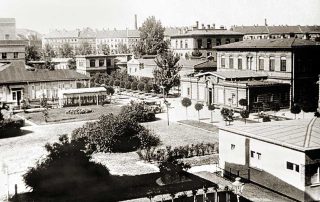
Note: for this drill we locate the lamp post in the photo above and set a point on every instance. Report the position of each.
(167, 105)
(238, 186)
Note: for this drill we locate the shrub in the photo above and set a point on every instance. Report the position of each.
(243, 102)
(266, 119)
(245, 114)
(128, 85)
(122, 84)
(227, 115)
(116, 83)
(147, 88)
(141, 86)
(66, 170)
(115, 134)
(134, 85)
(1, 116)
(25, 105)
(111, 82)
(79, 111)
(10, 127)
(295, 109)
(137, 112)
(317, 114)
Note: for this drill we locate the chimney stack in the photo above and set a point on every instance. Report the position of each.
(135, 22)
(265, 22)
(213, 26)
(202, 26)
(221, 27)
(208, 26)
(197, 24)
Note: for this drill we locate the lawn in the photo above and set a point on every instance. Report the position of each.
(58, 115)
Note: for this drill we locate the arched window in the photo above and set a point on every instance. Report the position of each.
(181, 44)
(261, 63)
(271, 63)
(240, 62)
(231, 62)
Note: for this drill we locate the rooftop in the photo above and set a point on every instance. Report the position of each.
(83, 90)
(207, 32)
(236, 74)
(17, 72)
(300, 135)
(118, 34)
(281, 29)
(269, 44)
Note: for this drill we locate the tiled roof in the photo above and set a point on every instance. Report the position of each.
(296, 134)
(206, 64)
(170, 31)
(63, 34)
(268, 43)
(236, 74)
(16, 72)
(276, 29)
(118, 34)
(205, 32)
(189, 63)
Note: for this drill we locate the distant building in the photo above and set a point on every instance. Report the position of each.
(12, 50)
(113, 38)
(282, 156)
(56, 38)
(91, 64)
(8, 29)
(201, 42)
(31, 37)
(281, 31)
(60, 63)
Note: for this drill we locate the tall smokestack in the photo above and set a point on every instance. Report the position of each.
(136, 21)
(265, 22)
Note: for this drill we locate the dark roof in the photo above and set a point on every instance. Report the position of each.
(269, 44)
(300, 135)
(206, 64)
(16, 72)
(282, 29)
(207, 32)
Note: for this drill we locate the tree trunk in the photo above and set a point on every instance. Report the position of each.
(198, 115)
(186, 113)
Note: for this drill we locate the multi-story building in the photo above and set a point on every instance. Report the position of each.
(56, 38)
(249, 152)
(201, 42)
(7, 29)
(272, 32)
(115, 38)
(266, 71)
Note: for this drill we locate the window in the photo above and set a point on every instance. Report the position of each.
(249, 62)
(236, 40)
(15, 55)
(292, 166)
(223, 62)
(199, 42)
(261, 63)
(108, 62)
(283, 64)
(14, 95)
(7, 36)
(231, 62)
(176, 43)
(209, 43)
(271, 64)
(218, 42)
(227, 41)
(181, 44)
(186, 44)
(188, 91)
(4, 55)
(233, 146)
(239, 63)
(92, 63)
(101, 63)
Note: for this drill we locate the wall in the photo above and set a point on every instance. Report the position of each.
(223, 94)
(7, 27)
(11, 47)
(197, 90)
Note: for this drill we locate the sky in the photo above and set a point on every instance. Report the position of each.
(45, 15)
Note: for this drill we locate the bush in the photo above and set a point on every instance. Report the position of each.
(128, 85)
(111, 82)
(147, 88)
(141, 86)
(116, 83)
(266, 119)
(317, 114)
(66, 170)
(10, 127)
(115, 134)
(243, 102)
(227, 115)
(134, 85)
(122, 84)
(137, 112)
(186, 102)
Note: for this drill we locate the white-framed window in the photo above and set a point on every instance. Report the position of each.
(223, 62)
(239, 62)
(231, 62)
(271, 64)
(283, 64)
(261, 63)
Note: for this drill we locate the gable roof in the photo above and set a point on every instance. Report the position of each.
(16, 72)
(300, 135)
(269, 44)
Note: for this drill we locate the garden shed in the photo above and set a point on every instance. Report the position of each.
(82, 96)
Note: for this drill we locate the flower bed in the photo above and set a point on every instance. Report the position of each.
(79, 111)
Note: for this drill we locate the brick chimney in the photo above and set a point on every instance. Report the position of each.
(135, 22)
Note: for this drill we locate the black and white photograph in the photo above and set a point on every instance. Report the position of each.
(159, 100)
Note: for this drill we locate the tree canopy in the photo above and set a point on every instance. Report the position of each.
(85, 48)
(48, 52)
(32, 53)
(151, 38)
(66, 51)
(167, 72)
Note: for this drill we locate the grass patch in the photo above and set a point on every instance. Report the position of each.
(197, 124)
(58, 115)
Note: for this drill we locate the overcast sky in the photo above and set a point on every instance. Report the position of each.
(43, 15)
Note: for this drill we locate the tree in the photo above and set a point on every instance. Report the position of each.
(186, 102)
(32, 53)
(227, 115)
(198, 107)
(72, 64)
(141, 86)
(243, 102)
(117, 82)
(123, 49)
(244, 114)
(295, 109)
(85, 48)
(104, 49)
(211, 108)
(134, 85)
(151, 38)
(66, 51)
(110, 91)
(48, 52)
(128, 85)
(166, 74)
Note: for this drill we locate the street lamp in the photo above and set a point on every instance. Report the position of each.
(238, 186)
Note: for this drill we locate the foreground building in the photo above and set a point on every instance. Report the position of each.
(249, 151)
(266, 71)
